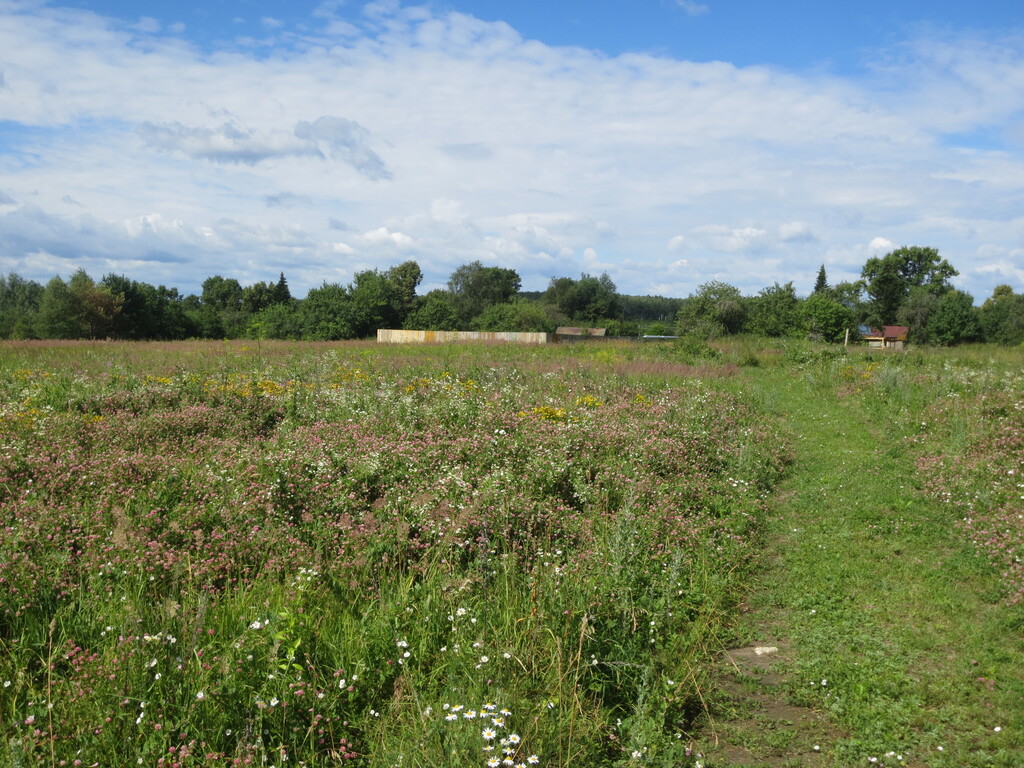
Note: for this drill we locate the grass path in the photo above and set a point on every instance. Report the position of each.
(891, 629)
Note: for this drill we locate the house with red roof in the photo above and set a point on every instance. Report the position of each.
(890, 337)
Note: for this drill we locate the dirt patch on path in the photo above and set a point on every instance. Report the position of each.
(756, 725)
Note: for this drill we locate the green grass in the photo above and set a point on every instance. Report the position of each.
(872, 580)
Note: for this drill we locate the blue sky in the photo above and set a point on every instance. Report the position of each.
(667, 142)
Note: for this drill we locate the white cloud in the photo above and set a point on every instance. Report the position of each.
(384, 236)
(881, 245)
(731, 239)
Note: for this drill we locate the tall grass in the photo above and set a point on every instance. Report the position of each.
(224, 554)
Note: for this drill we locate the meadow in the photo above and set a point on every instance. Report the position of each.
(228, 554)
(231, 555)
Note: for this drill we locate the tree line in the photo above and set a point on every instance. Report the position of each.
(908, 286)
(476, 297)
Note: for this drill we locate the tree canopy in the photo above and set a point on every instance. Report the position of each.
(475, 287)
(890, 279)
(715, 308)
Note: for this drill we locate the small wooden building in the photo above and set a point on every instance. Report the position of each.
(890, 337)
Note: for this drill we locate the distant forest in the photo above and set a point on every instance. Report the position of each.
(908, 286)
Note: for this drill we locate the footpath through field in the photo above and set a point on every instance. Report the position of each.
(893, 645)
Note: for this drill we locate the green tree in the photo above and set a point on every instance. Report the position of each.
(403, 281)
(916, 313)
(172, 320)
(825, 317)
(560, 293)
(19, 306)
(223, 315)
(281, 293)
(206, 321)
(148, 312)
(475, 287)
(222, 293)
(886, 292)
(94, 305)
(58, 316)
(518, 315)
(821, 284)
(955, 320)
(373, 303)
(258, 296)
(1002, 317)
(773, 312)
(433, 312)
(596, 298)
(716, 308)
(587, 300)
(850, 294)
(328, 315)
(282, 320)
(890, 279)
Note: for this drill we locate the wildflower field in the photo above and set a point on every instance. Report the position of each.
(220, 555)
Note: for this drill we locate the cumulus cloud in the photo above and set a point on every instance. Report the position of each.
(384, 236)
(881, 245)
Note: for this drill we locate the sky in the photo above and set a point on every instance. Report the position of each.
(668, 143)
